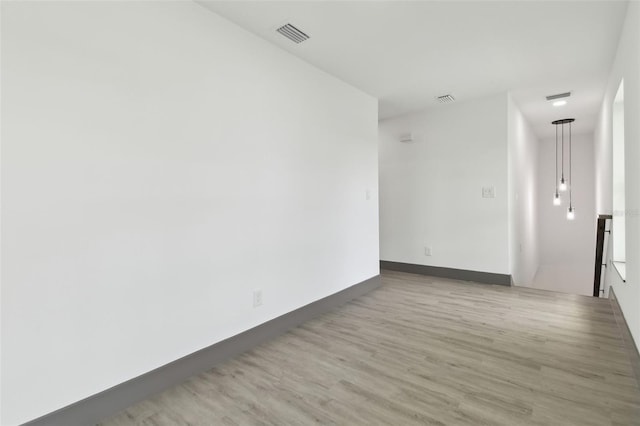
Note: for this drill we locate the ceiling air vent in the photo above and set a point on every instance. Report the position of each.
(445, 99)
(292, 33)
(558, 96)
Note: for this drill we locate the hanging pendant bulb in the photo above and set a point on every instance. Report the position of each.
(571, 213)
(556, 199)
(563, 185)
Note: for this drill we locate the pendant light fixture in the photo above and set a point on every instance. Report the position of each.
(563, 184)
(556, 196)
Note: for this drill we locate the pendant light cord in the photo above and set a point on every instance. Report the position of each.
(556, 159)
(570, 180)
(563, 152)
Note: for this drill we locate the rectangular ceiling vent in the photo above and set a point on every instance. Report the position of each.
(558, 96)
(292, 33)
(445, 99)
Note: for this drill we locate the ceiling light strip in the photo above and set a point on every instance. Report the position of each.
(292, 33)
(558, 96)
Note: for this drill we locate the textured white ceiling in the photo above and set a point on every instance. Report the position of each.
(406, 53)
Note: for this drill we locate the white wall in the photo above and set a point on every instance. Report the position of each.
(618, 175)
(523, 197)
(626, 66)
(158, 165)
(603, 158)
(567, 247)
(431, 189)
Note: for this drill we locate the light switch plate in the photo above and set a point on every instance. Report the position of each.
(488, 192)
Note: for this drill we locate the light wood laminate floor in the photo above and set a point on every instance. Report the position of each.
(422, 351)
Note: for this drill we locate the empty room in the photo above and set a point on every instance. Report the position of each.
(319, 212)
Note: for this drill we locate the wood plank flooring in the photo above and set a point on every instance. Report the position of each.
(422, 351)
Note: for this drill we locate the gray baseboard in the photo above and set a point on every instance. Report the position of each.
(627, 337)
(93, 409)
(455, 274)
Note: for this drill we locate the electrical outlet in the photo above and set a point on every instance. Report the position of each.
(488, 192)
(427, 251)
(257, 298)
(367, 195)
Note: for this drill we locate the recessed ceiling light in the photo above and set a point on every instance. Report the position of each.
(559, 103)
